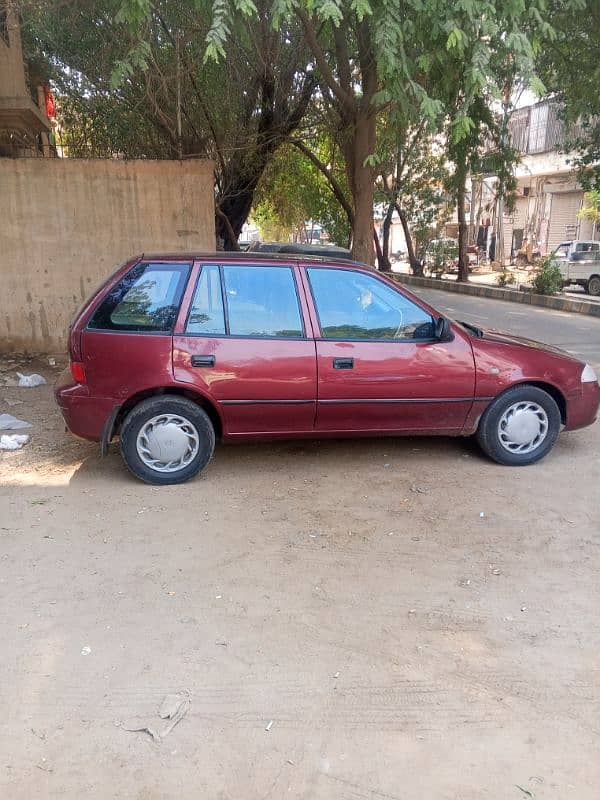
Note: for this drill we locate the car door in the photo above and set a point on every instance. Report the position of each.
(245, 342)
(379, 365)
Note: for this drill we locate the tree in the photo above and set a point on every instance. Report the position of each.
(570, 70)
(141, 87)
(411, 182)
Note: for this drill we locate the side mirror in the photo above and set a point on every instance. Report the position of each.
(441, 328)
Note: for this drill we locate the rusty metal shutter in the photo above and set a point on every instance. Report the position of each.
(563, 223)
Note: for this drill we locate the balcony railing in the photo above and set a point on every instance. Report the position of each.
(538, 129)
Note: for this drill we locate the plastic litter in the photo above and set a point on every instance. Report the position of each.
(10, 402)
(85, 651)
(31, 380)
(174, 707)
(269, 725)
(13, 441)
(10, 423)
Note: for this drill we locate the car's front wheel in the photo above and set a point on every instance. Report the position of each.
(520, 427)
(167, 439)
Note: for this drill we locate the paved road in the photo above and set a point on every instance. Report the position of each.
(577, 333)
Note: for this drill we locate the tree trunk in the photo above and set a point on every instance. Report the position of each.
(415, 265)
(383, 261)
(358, 147)
(463, 227)
(378, 251)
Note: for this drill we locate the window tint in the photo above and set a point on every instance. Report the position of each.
(262, 301)
(206, 313)
(352, 305)
(146, 299)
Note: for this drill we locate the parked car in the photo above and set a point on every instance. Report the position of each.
(579, 262)
(326, 250)
(176, 351)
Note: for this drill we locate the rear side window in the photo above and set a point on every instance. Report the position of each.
(146, 300)
(262, 301)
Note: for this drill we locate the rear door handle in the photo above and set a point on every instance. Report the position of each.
(203, 361)
(343, 363)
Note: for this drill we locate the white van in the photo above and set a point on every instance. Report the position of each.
(579, 262)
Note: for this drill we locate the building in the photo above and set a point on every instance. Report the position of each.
(548, 197)
(25, 129)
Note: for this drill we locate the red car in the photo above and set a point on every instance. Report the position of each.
(175, 351)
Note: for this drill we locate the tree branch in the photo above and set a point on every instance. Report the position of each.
(333, 183)
(347, 100)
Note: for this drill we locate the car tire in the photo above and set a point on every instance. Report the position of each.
(593, 286)
(520, 426)
(167, 439)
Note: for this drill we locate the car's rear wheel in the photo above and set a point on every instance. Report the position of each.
(520, 427)
(167, 439)
(593, 286)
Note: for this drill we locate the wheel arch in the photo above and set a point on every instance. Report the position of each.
(179, 391)
(554, 392)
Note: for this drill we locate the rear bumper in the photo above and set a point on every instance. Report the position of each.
(582, 409)
(84, 416)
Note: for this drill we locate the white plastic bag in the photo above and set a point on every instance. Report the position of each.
(31, 380)
(13, 441)
(10, 423)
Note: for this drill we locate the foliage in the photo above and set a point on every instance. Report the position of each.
(292, 191)
(570, 70)
(591, 206)
(131, 82)
(440, 256)
(505, 277)
(548, 278)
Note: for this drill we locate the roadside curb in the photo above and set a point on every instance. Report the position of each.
(496, 293)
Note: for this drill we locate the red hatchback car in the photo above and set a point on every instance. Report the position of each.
(175, 351)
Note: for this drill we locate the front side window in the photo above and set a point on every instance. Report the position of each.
(262, 301)
(352, 305)
(147, 299)
(206, 313)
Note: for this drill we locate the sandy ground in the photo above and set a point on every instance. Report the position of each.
(402, 644)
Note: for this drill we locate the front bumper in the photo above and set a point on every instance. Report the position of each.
(84, 416)
(582, 409)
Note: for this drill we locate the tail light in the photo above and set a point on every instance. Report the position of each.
(78, 371)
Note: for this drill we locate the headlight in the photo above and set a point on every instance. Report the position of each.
(589, 375)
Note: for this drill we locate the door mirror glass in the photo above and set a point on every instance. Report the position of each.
(442, 329)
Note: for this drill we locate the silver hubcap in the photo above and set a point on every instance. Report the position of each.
(167, 443)
(523, 427)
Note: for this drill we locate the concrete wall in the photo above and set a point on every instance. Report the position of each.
(65, 224)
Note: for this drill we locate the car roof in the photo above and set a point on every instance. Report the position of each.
(254, 257)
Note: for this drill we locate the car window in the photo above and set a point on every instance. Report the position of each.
(262, 301)
(146, 299)
(352, 305)
(206, 312)
(562, 251)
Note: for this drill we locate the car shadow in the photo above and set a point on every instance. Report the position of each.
(313, 455)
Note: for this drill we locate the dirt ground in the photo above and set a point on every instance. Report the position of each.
(381, 620)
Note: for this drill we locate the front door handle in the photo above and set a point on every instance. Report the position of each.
(203, 361)
(343, 363)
